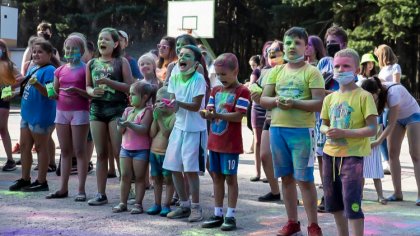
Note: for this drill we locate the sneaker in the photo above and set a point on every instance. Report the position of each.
(180, 212)
(121, 207)
(16, 149)
(9, 166)
(165, 211)
(270, 197)
(19, 162)
(19, 184)
(229, 224)
(99, 199)
(386, 168)
(321, 206)
(314, 230)
(213, 222)
(36, 186)
(90, 167)
(196, 214)
(291, 228)
(154, 210)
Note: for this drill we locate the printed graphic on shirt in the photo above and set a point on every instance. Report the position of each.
(340, 117)
(102, 70)
(293, 88)
(224, 102)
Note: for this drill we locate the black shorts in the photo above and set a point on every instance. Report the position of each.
(267, 124)
(4, 104)
(106, 111)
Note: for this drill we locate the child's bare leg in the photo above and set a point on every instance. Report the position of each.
(219, 189)
(232, 183)
(309, 200)
(187, 185)
(341, 223)
(51, 151)
(267, 162)
(100, 138)
(80, 150)
(41, 144)
(194, 184)
(378, 188)
(357, 227)
(178, 180)
(66, 146)
(290, 196)
(115, 139)
(126, 175)
(111, 162)
(158, 189)
(140, 173)
(169, 190)
(26, 143)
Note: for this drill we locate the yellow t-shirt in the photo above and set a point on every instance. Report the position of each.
(348, 111)
(295, 84)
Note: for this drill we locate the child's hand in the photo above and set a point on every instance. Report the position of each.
(69, 89)
(324, 129)
(123, 123)
(375, 143)
(174, 104)
(33, 80)
(284, 104)
(206, 114)
(336, 133)
(256, 96)
(98, 92)
(103, 80)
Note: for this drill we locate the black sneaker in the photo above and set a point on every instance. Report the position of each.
(270, 197)
(99, 199)
(9, 166)
(213, 222)
(19, 184)
(229, 224)
(19, 162)
(90, 167)
(321, 206)
(36, 186)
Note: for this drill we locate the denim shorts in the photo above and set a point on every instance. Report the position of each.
(414, 118)
(139, 155)
(342, 184)
(36, 128)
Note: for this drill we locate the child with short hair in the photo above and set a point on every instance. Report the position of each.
(225, 110)
(348, 120)
(188, 140)
(163, 122)
(134, 126)
(294, 92)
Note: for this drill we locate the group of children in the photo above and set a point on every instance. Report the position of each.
(172, 127)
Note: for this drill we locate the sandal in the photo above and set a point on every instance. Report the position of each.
(255, 179)
(137, 209)
(383, 201)
(81, 197)
(393, 198)
(119, 208)
(57, 195)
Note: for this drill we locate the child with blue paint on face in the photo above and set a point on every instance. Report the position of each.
(348, 121)
(134, 126)
(72, 116)
(186, 150)
(294, 92)
(227, 106)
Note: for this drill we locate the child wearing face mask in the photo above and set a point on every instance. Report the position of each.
(134, 126)
(72, 116)
(294, 92)
(348, 121)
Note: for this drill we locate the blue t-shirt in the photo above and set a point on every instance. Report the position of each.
(135, 71)
(37, 109)
(326, 66)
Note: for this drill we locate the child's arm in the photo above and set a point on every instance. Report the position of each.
(368, 131)
(392, 121)
(267, 100)
(313, 105)
(120, 124)
(191, 106)
(230, 117)
(41, 88)
(166, 131)
(144, 126)
(120, 86)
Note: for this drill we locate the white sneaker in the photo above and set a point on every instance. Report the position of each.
(196, 214)
(385, 166)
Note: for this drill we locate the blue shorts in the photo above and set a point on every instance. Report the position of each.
(36, 128)
(343, 185)
(293, 152)
(414, 118)
(139, 155)
(223, 163)
(156, 163)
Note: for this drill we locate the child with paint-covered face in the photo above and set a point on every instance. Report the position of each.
(108, 79)
(294, 92)
(72, 115)
(186, 150)
(134, 125)
(348, 121)
(162, 125)
(225, 110)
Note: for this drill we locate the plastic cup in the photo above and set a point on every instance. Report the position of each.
(50, 89)
(6, 92)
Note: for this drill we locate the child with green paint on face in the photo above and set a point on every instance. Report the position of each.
(348, 121)
(227, 106)
(294, 92)
(134, 126)
(187, 145)
(163, 122)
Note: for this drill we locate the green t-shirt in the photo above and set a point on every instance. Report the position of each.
(295, 84)
(348, 111)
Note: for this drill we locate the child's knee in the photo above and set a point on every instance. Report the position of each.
(126, 176)
(168, 180)
(231, 180)
(158, 180)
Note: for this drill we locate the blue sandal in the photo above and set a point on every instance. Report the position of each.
(393, 198)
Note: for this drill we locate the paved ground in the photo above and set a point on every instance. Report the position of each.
(31, 214)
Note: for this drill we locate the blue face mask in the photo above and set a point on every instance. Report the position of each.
(72, 58)
(294, 61)
(344, 78)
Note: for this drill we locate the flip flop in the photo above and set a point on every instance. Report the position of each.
(393, 198)
(383, 201)
(81, 197)
(57, 195)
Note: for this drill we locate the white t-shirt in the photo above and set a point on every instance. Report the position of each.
(186, 120)
(399, 95)
(386, 74)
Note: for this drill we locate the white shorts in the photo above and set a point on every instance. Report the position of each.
(72, 117)
(186, 151)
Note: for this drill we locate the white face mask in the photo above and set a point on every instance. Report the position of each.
(344, 78)
(189, 71)
(294, 61)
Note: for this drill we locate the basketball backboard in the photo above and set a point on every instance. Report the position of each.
(193, 17)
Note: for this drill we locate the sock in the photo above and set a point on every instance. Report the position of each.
(185, 203)
(218, 211)
(231, 212)
(195, 205)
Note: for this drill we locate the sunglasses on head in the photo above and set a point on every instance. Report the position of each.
(273, 50)
(162, 46)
